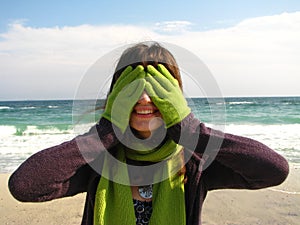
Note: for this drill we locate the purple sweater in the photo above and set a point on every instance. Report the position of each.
(64, 170)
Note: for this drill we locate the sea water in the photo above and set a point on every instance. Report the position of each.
(30, 126)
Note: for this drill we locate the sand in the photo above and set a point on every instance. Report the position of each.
(278, 205)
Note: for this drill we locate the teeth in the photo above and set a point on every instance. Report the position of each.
(144, 111)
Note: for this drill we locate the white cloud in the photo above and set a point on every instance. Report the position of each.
(172, 27)
(258, 56)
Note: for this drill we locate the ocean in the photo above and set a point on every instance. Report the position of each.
(29, 126)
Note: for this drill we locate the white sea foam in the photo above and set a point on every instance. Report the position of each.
(28, 107)
(33, 139)
(4, 107)
(240, 103)
(275, 136)
(14, 149)
(34, 130)
(283, 138)
(7, 131)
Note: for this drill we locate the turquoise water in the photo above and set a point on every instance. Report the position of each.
(29, 126)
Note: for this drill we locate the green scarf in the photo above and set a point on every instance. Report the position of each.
(114, 204)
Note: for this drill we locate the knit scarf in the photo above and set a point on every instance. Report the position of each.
(114, 203)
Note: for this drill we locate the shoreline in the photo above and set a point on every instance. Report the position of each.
(275, 205)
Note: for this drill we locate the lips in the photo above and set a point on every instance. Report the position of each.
(145, 111)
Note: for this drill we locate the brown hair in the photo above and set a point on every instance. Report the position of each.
(147, 53)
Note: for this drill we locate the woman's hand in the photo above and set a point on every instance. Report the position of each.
(125, 94)
(166, 94)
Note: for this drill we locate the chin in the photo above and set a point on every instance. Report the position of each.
(145, 128)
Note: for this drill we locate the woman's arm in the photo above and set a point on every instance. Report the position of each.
(61, 170)
(234, 161)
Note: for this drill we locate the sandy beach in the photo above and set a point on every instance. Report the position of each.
(278, 205)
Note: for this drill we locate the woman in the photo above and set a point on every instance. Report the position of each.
(147, 122)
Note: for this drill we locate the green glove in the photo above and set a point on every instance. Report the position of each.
(166, 94)
(125, 94)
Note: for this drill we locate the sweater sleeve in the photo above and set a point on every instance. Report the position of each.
(231, 161)
(61, 170)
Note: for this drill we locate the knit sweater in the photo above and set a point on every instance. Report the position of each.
(70, 168)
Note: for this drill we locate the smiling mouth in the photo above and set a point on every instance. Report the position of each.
(144, 112)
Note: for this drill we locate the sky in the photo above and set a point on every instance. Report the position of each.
(251, 48)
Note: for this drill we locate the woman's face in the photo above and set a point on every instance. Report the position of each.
(145, 117)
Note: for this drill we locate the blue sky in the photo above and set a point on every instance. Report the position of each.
(203, 14)
(47, 46)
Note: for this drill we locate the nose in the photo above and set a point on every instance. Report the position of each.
(145, 98)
